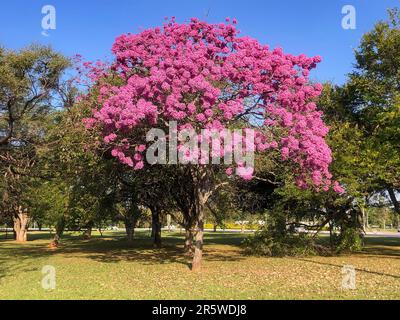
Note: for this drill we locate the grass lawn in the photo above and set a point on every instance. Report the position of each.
(107, 268)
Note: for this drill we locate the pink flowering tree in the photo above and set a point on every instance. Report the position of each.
(206, 76)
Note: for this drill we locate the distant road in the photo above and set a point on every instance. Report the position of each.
(384, 234)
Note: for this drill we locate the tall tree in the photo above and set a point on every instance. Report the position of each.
(204, 76)
(29, 83)
(372, 95)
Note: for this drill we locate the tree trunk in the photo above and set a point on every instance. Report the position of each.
(198, 245)
(156, 226)
(130, 230)
(130, 220)
(199, 233)
(169, 222)
(188, 248)
(331, 242)
(393, 198)
(87, 234)
(21, 223)
(60, 226)
(199, 186)
(215, 228)
(363, 217)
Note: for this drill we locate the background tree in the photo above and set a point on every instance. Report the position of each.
(29, 82)
(372, 96)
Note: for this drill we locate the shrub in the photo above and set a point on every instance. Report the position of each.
(349, 240)
(268, 242)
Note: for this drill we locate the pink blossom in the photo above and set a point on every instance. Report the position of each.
(337, 188)
(139, 165)
(180, 72)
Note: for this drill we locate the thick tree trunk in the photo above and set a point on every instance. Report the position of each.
(130, 222)
(198, 189)
(188, 248)
(198, 245)
(393, 198)
(130, 231)
(21, 223)
(156, 226)
(188, 225)
(60, 226)
(87, 234)
(199, 233)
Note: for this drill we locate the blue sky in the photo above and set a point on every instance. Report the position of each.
(89, 27)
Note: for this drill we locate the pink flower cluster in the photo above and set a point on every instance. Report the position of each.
(206, 76)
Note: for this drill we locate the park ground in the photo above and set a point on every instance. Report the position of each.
(107, 268)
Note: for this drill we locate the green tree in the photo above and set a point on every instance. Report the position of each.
(372, 96)
(30, 80)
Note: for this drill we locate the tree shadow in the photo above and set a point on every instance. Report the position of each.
(379, 246)
(114, 248)
(341, 267)
(142, 250)
(12, 254)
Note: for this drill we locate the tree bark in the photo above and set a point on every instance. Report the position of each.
(21, 223)
(198, 245)
(188, 248)
(364, 220)
(130, 231)
(156, 226)
(87, 234)
(199, 232)
(130, 220)
(60, 227)
(393, 198)
(198, 187)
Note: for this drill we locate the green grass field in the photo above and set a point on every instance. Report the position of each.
(107, 268)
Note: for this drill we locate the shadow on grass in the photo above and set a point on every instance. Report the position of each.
(341, 267)
(13, 255)
(113, 248)
(374, 247)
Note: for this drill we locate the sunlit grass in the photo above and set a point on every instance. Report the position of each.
(108, 268)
